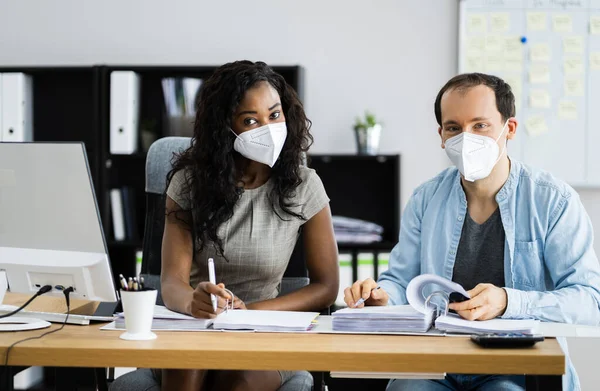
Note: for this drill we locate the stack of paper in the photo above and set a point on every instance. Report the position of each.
(284, 321)
(399, 318)
(455, 324)
(165, 319)
(349, 230)
(254, 320)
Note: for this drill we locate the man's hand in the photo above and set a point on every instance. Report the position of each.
(487, 302)
(365, 290)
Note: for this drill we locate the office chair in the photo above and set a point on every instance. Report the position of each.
(158, 165)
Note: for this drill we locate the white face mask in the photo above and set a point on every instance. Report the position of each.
(474, 155)
(262, 144)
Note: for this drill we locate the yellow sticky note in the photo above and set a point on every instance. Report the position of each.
(562, 23)
(573, 44)
(539, 74)
(477, 23)
(595, 24)
(475, 63)
(513, 48)
(540, 52)
(513, 64)
(494, 62)
(595, 61)
(574, 87)
(494, 43)
(573, 66)
(499, 22)
(476, 45)
(567, 110)
(536, 21)
(536, 125)
(539, 99)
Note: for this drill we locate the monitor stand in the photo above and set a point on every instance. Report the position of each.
(14, 322)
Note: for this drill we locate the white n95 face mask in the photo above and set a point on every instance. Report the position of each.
(474, 155)
(262, 144)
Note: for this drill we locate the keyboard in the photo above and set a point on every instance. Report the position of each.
(55, 317)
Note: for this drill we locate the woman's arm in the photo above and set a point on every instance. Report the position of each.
(177, 256)
(177, 248)
(322, 263)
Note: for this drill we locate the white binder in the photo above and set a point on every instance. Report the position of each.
(116, 206)
(0, 111)
(124, 112)
(16, 107)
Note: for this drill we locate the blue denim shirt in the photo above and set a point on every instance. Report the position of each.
(551, 270)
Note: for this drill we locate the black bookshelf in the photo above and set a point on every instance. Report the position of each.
(66, 107)
(363, 187)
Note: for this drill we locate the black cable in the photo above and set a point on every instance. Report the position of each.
(66, 292)
(44, 289)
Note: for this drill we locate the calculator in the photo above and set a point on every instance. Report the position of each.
(506, 340)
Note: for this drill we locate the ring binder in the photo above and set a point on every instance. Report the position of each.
(445, 303)
(227, 303)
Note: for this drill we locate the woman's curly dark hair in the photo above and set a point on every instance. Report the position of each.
(212, 178)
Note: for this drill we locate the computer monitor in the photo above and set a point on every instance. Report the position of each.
(50, 228)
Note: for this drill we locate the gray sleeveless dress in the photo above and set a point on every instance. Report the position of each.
(257, 244)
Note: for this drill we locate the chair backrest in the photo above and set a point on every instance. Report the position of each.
(158, 165)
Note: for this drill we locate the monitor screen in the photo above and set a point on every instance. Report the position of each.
(50, 228)
(46, 198)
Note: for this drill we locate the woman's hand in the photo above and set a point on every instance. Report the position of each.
(202, 307)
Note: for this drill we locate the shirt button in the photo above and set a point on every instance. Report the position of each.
(460, 218)
(452, 252)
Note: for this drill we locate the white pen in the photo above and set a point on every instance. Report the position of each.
(361, 300)
(213, 279)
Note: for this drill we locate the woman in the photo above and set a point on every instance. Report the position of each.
(240, 195)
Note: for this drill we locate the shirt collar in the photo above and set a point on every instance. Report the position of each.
(510, 184)
(505, 191)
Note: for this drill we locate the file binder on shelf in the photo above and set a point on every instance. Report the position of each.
(124, 112)
(16, 107)
(118, 218)
(1, 108)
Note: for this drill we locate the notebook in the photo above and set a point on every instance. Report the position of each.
(251, 320)
(428, 296)
(256, 320)
(165, 319)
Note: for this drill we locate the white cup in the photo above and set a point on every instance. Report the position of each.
(138, 308)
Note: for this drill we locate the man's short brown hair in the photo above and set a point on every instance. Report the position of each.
(505, 100)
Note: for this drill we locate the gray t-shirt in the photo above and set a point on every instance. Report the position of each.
(480, 253)
(256, 242)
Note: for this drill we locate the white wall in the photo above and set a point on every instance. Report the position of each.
(389, 56)
(356, 56)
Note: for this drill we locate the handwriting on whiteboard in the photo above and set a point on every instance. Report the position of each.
(558, 3)
(494, 2)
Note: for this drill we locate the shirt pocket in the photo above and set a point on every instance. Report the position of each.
(528, 266)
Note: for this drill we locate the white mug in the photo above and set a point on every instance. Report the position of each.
(138, 309)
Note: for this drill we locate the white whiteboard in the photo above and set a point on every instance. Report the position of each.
(554, 73)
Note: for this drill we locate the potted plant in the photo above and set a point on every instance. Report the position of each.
(368, 132)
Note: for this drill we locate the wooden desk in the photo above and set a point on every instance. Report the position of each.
(87, 346)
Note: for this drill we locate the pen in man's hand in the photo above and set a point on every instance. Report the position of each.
(361, 300)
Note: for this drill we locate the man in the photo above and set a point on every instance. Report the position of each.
(518, 239)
